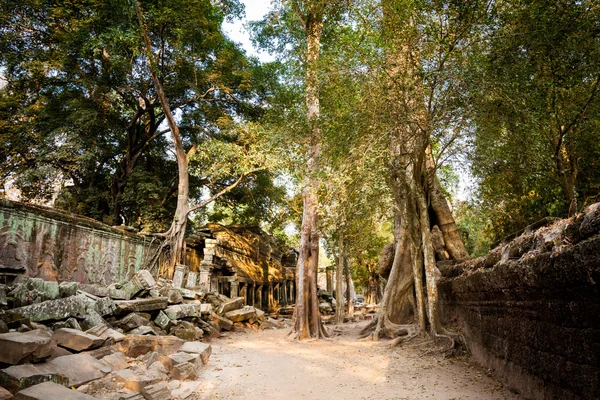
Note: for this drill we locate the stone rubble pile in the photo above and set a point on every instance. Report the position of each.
(140, 340)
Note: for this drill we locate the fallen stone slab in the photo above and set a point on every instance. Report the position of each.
(241, 315)
(140, 305)
(131, 380)
(230, 305)
(142, 280)
(105, 306)
(260, 314)
(131, 321)
(136, 382)
(186, 331)
(51, 391)
(95, 290)
(180, 358)
(132, 396)
(117, 361)
(184, 371)
(69, 323)
(190, 294)
(158, 391)
(185, 389)
(59, 309)
(92, 318)
(174, 295)
(58, 352)
(32, 346)
(105, 332)
(79, 368)
(188, 310)
(205, 350)
(49, 290)
(223, 322)
(75, 340)
(145, 330)
(20, 377)
(137, 345)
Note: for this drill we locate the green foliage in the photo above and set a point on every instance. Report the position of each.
(80, 110)
(536, 111)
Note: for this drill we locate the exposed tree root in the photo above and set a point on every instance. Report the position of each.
(368, 329)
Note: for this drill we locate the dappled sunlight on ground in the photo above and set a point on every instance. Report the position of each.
(265, 365)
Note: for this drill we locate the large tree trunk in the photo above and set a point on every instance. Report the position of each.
(339, 282)
(175, 234)
(350, 294)
(308, 318)
(443, 214)
(431, 271)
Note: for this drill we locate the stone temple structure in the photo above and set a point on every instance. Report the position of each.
(242, 261)
(54, 245)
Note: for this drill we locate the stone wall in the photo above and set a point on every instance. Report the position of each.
(530, 309)
(47, 243)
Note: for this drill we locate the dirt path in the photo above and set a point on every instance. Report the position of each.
(265, 365)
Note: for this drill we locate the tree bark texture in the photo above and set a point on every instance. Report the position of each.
(339, 282)
(308, 318)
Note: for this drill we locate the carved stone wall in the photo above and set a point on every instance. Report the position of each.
(47, 243)
(530, 309)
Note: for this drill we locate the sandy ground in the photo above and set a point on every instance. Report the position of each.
(264, 365)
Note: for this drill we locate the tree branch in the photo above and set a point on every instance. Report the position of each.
(224, 191)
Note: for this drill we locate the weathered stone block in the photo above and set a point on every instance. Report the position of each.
(132, 396)
(69, 323)
(17, 347)
(68, 289)
(91, 319)
(186, 331)
(184, 371)
(157, 391)
(241, 315)
(231, 305)
(178, 275)
(132, 380)
(223, 322)
(105, 332)
(51, 391)
(162, 320)
(75, 340)
(205, 350)
(96, 290)
(3, 298)
(142, 280)
(47, 290)
(192, 279)
(116, 361)
(173, 295)
(105, 306)
(131, 321)
(21, 377)
(74, 306)
(79, 368)
(183, 357)
(141, 305)
(137, 345)
(189, 310)
(144, 330)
